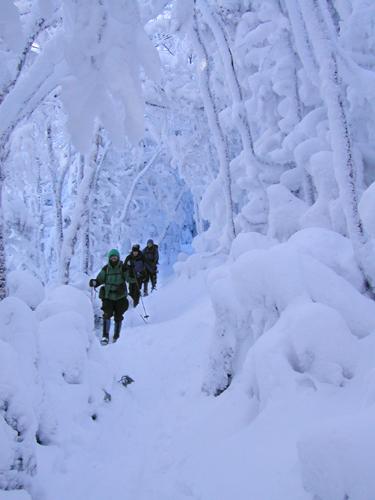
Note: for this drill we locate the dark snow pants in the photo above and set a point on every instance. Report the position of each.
(151, 276)
(114, 308)
(134, 292)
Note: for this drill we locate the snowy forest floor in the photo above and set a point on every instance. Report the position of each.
(162, 438)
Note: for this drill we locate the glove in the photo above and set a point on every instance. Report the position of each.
(92, 283)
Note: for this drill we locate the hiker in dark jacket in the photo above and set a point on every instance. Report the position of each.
(113, 293)
(135, 268)
(151, 256)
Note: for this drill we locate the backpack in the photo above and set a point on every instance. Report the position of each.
(102, 288)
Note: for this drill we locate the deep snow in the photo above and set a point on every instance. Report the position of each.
(163, 438)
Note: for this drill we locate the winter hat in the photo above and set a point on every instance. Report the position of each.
(151, 242)
(113, 252)
(136, 248)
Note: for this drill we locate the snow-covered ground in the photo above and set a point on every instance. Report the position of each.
(163, 437)
(133, 449)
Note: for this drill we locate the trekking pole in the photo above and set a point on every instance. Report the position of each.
(140, 296)
(146, 315)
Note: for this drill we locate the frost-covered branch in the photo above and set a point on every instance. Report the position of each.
(333, 93)
(134, 184)
(80, 208)
(215, 126)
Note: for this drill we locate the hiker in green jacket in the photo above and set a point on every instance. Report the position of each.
(113, 294)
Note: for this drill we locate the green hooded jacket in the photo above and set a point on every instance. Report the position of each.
(113, 279)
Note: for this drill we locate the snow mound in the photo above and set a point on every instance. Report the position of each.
(331, 249)
(196, 263)
(26, 287)
(80, 280)
(66, 298)
(309, 345)
(250, 241)
(53, 379)
(250, 295)
(17, 423)
(18, 326)
(16, 319)
(63, 344)
(267, 281)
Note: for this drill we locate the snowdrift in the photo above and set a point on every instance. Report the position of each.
(293, 333)
(52, 378)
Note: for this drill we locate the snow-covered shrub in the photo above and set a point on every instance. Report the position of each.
(74, 373)
(329, 248)
(266, 282)
(53, 378)
(63, 344)
(25, 286)
(245, 242)
(18, 423)
(18, 326)
(250, 295)
(228, 332)
(66, 298)
(308, 345)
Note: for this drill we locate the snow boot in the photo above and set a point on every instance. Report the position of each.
(117, 331)
(106, 327)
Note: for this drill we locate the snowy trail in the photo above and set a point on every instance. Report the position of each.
(130, 448)
(161, 438)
